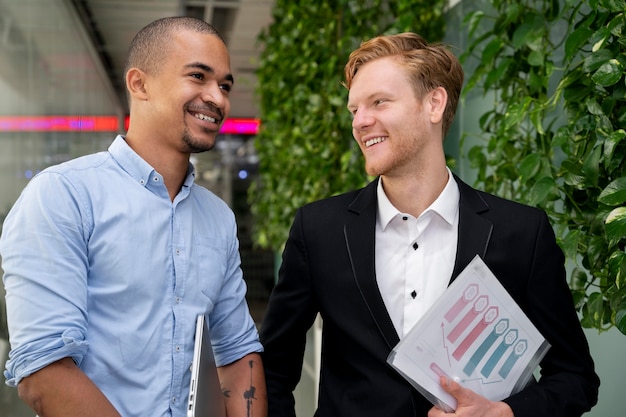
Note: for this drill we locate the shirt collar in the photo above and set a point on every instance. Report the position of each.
(446, 205)
(136, 167)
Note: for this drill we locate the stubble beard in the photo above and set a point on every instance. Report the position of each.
(194, 145)
(379, 166)
(395, 161)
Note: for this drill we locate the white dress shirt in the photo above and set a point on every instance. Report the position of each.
(415, 256)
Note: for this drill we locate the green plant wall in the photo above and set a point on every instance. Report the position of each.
(553, 137)
(555, 134)
(305, 144)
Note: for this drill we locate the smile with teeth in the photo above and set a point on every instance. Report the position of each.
(374, 141)
(204, 117)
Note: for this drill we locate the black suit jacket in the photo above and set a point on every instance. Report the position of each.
(328, 267)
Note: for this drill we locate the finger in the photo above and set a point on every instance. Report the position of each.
(452, 387)
(436, 412)
(462, 395)
(448, 385)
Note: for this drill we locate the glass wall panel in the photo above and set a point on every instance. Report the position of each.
(46, 69)
(57, 103)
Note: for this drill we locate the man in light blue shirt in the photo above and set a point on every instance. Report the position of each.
(110, 257)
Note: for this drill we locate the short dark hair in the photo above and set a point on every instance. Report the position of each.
(151, 44)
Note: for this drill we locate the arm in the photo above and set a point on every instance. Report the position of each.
(243, 385)
(568, 385)
(62, 389)
(289, 316)
(45, 264)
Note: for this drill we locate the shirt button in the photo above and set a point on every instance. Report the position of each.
(177, 348)
(173, 400)
(177, 251)
(156, 179)
(178, 300)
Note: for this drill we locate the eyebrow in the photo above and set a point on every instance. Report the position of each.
(209, 69)
(369, 97)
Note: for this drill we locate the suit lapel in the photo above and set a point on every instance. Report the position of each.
(474, 229)
(360, 235)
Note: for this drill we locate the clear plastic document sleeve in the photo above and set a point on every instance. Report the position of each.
(475, 334)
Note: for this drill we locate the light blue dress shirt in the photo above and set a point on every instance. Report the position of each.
(101, 266)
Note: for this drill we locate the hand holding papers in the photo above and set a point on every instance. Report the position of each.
(475, 334)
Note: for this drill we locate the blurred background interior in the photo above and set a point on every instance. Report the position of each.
(62, 96)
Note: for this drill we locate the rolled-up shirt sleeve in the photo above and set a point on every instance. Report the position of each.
(44, 257)
(233, 331)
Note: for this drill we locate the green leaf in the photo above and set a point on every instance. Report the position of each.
(596, 251)
(611, 160)
(616, 25)
(578, 279)
(516, 113)
(572, 173)
(599, 38)
(570, 245)
(591, 168)
(617, 268)
(579, 297)
(522, 33)
(529, 166)
(530, 33)
(537, 117)
(492, 49)
(597, 59)
(614, 193)
(477, 158)
(616, 225)
(576, 40)
(553, 10)
(594, 309)
(540, 190)
(497, 74)
(593, 107)
(614, 5)
(609, 73)
(473, 20)
(536, 58)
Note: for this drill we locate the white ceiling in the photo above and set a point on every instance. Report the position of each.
(78, 47)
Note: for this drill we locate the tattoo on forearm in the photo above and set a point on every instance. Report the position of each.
(249, 394)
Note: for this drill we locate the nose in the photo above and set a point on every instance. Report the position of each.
(362, 119)
(214, 93)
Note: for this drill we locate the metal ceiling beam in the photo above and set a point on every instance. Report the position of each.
(81, 17)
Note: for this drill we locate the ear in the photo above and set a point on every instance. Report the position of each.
(136, 84)
(437, 101)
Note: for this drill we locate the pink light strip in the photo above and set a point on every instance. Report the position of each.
(58, 123)
(236, 126)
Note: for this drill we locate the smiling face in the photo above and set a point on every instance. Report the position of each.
(188, 95)
(390, 123)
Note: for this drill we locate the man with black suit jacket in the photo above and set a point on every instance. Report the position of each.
(372, 261)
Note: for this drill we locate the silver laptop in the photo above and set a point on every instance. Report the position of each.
(205, 393)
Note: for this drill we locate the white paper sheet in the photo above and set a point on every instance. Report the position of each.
(475, 334)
